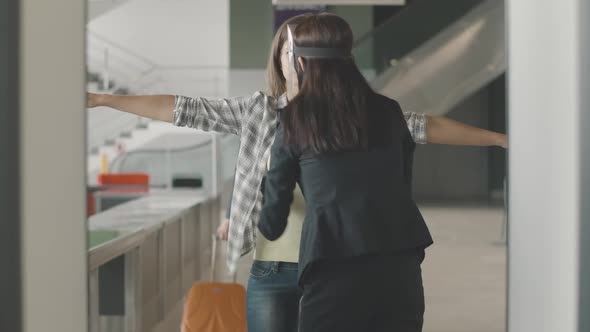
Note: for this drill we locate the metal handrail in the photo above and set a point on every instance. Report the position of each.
(504, 232)
(120, 160)
(121, 72)
(120, 47)
(150, 67)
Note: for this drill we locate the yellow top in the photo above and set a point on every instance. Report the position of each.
(285, 248)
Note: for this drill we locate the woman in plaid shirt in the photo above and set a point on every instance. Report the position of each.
(254, 119)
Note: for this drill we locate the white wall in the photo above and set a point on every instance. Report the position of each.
(170, 32)
(547, 83)
(53, 216)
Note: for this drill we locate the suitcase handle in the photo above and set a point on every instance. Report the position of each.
(213, 257)
(214, 260)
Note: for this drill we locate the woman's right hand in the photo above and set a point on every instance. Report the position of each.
(92, 100)
(502, 141)
(223, 230)
(156, 107)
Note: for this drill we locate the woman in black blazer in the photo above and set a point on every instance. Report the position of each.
(351, 152)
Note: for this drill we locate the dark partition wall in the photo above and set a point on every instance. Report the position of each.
(10, 285)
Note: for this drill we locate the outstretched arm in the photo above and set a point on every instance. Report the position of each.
(157, 107)
(220, 115)
(441, 130)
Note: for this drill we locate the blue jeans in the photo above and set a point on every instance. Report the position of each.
(273, 297)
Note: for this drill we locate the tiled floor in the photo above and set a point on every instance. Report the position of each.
(464, 271)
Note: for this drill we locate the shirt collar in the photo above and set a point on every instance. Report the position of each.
(282, 101)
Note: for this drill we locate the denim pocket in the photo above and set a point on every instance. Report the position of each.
(260, 269)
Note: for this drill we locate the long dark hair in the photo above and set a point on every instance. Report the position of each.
(329, 113)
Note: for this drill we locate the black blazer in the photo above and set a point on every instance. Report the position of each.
(357, 202)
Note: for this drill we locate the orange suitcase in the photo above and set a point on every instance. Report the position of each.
(215, 306)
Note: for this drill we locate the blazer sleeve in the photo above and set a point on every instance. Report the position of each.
(281, 178)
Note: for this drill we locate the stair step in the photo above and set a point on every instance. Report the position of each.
(126, 134)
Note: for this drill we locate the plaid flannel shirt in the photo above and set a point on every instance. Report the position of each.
(254, 119)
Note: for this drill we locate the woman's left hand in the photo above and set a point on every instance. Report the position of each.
(442, 130)
(502, 141)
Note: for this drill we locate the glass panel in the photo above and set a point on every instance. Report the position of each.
(404, 32)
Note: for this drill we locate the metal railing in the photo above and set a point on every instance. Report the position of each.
(212, 160)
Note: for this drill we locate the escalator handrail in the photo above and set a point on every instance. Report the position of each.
(120, 159)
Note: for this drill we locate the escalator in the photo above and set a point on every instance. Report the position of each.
(445, 58)
(433, 55)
